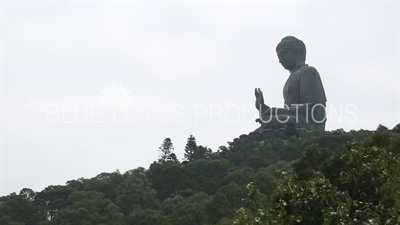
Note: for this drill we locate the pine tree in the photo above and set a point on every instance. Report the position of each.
(166, 151)
(190, 148)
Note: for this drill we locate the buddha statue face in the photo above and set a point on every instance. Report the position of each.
(291, 53)
(287, 58)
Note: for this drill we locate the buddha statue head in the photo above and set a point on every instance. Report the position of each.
(291, 53)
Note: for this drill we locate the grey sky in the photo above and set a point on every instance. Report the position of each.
(200, 59)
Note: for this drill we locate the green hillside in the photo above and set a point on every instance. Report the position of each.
(318, 178)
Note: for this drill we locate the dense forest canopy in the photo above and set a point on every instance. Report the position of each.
(316, 178)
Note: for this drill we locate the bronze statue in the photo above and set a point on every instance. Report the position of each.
(303, 93)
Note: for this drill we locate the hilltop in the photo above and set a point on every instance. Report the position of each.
(328, 177)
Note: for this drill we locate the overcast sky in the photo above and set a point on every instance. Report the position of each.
(95, 87)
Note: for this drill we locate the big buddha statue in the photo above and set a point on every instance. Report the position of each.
(303, 93)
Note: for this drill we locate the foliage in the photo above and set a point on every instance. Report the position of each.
(382, 128)
(166, 149)
(20, 209)
(396, 129)
(146, 217)
(357, 185)
(190, 148)
(332, 177)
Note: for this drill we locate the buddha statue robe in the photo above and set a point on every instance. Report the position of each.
(304, 104)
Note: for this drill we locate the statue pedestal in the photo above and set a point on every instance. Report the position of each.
(281, 133)
(268, 133)
(255, 136)
(301, 132)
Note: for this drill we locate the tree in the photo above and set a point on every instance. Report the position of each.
(218, 207)
(147, 217)
(89, 207)
(190, 213)
(206, 175)
(190, 148)
(16, 209)
(166, 151)
(190, 210)
(167, 178)
(355, 185)
(28, 194)
(240, 176)
(382, 128)
(7, 220)
(76, 184)
(202, 153)
(222, 152)
(135, 190)
(52, 199)
(328, 178)
(396, 129)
